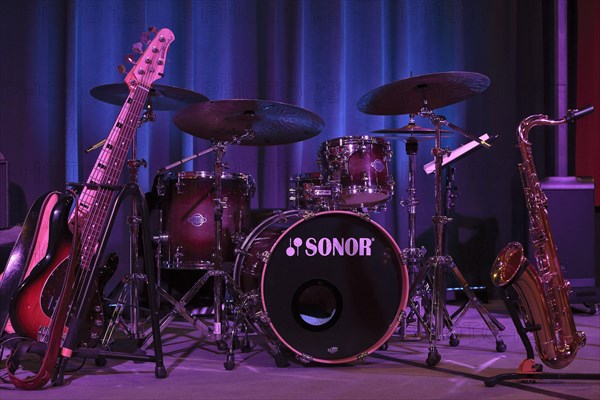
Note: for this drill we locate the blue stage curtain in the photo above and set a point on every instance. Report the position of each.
(319, 55)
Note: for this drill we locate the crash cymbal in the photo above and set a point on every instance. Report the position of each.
(163, 97)
(411, 129)
(408, 96)
(269, 122)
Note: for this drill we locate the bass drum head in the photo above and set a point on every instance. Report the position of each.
(334, 287)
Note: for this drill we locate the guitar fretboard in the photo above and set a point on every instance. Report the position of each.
(95, 200)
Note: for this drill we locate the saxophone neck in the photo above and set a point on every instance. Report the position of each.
(534, 120)
(540, 119)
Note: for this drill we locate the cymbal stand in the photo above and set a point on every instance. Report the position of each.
(134, 222)
(440, 262)
(412, 255)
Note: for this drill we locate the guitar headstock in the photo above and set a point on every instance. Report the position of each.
(151, 64)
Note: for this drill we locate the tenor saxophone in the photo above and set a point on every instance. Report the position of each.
(542, 291)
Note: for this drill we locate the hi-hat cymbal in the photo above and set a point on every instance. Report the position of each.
(163, 97)
(409, 96)
(268, 122)
(411, 129)
(404, 138)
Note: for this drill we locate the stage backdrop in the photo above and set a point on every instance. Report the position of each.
(319, 55)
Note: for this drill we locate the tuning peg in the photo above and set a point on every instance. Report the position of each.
(137, 48)
(145, 38)
(121, 68)
(130, 58)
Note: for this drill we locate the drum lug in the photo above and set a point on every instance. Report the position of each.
(264, 317)
(304, 358)
(160, 188)
(178, 256)
(264, 256)
(362, 356)
(365, 216)
(365, 178)
(179, 184)
(307, 215)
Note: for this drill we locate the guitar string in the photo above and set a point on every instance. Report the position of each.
(118, 147)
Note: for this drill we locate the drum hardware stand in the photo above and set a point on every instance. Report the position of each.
(102, 353)
(221, 278)
(441, 261)
(247, 313)
(413, 256)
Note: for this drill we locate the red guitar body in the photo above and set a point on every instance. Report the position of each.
(33, 305)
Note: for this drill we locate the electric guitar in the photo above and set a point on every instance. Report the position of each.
(73, 236)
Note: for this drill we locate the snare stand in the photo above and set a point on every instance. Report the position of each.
(216, 269)
(437, 264)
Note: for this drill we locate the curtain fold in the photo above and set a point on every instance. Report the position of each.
(319, 55)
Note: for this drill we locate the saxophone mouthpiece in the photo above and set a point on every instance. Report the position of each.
(572, 115)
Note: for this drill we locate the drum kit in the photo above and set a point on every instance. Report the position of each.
(321, 278)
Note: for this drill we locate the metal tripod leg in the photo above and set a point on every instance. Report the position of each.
(179, 307)
(492, 323)
(248, 313)
(418, 275)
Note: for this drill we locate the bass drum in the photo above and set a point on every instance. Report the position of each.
(333, 284)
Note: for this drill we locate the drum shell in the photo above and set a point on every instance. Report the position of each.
(359, 164)
(309, 191)
(187, 216)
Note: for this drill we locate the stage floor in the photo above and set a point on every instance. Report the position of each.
(195, 371)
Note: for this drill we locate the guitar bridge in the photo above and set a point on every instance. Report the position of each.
(43, 334)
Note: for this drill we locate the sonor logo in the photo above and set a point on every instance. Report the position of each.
(330, 246)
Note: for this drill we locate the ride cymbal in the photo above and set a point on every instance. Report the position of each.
(409, 96)
(264, 122)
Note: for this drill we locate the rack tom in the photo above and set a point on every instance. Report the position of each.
(359, 165)
(309, 191)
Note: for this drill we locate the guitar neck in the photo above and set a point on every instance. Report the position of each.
(95, 199)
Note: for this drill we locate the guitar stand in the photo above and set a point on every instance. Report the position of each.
(79, 311)
(529, 370)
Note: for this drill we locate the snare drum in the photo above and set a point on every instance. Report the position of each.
(187, 216)
(333, 283)
(359, 165)
(308, 191)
